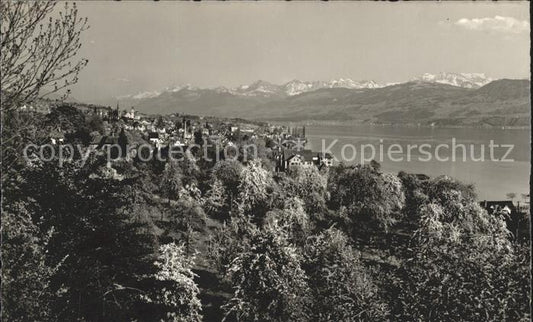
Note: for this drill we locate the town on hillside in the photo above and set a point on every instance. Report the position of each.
(286, 144)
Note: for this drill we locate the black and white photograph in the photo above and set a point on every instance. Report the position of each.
(239, 161)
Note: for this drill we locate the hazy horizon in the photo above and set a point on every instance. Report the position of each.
(142, 46)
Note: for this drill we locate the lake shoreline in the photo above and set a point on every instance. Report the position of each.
(493, 179)
(398, 125)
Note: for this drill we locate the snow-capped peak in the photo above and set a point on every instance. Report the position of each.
(296, 87)
(341, 82)
(258, 88)
(466, 80)
(348, 83)
(262, 88)
(155, 93)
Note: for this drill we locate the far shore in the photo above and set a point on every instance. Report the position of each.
(404, 125)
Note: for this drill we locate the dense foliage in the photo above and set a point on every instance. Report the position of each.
(189, 240)
(175, 294)
(342, 288)
(269, 282)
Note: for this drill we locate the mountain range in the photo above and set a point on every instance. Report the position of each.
(444, 99)
(265, 89)
(466, 80)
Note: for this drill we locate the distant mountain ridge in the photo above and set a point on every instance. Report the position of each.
(441, 99)
(296, 87)
(466, 80)
(264, 88)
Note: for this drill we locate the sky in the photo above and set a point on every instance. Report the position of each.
(142, 46)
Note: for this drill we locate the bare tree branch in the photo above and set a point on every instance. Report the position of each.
(38, 49)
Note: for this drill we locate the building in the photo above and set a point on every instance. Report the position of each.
(297, 159)
(294, 160)
(505, 206)
(177, 142)
(290, 158)
(100, 111)
(325, 159)
(131, 114)
(153, 137)
(38, 107)
(57, 137)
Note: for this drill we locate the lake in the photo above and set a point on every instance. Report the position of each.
(416, 150)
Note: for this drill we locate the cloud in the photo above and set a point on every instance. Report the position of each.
(498, 23)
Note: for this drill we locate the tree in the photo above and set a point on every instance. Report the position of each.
(26, 293)
(198, 138)
(175, 294)
(292, 219)
(187, 217)
(342, 289)
(309, 185)
(254, 188)
(38, 58)
(215, 200)
(18, 129)
(415, 196)
(367, 198)
(160, 123)
(229, 241)
(178, 125)
(38, 51)
(462, 264)
(268, 281)
(229, 173)
(123, 143)
(511, 195)
(171, 180)
(102, 251)
(95, 124)
(189, 168)
(65, 117)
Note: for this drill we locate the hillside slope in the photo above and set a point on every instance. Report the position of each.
(500, 103)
